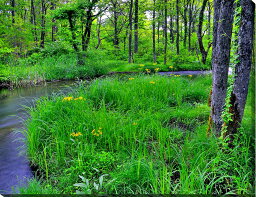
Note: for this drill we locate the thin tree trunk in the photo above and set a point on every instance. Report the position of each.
(130, 32)
(221, 58)
(73, 34)
(243, 67)
(43, 13)
(154, 32)
(171, 30)
(98, 33)
(116, 39)
(209, 20)
(165, 32)
(136, 20)
(185, 25)
(177, 28)
(54, 27)
(13, 11)
(87, 32)
(33, 20)
(190, 24)
(199, 33)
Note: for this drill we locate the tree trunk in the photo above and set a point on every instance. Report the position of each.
(13, 11)
(165, 32)
(199, 33)
(87, 32)
(243, 67)
(43, 12)
(116, 39)
(72, 29)
(54, 27)
(98, 33)
(171, 30)
(154, 32)
(33, 20)
(177, 28)
(185, 26)
(130, 32)
(190, 18)
(136, 20)
(221, 57)
(209, 20)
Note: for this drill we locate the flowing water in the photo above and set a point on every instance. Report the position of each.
(14, 165)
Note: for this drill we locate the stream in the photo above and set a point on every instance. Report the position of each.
(14, 165)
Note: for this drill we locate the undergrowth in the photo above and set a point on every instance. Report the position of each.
(136, 135)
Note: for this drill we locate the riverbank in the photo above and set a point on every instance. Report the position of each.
(136, 134)
(38, 69)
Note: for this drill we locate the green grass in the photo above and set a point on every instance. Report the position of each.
(56, 63)
(59, 67)
(123, 66)
(145, 134)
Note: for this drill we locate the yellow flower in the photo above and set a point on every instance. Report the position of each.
(156, 69)
(177, 75)
(97, 133)
(154, 64)
(147, 70)
(80, 98)
(134, 123)
(131, 78)
(190, 75)
(152, 82)
(67, 98)
(142, 65)
(170, 66)
(76, 134)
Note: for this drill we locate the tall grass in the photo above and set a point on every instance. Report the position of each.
(147, 133)
(38, 69)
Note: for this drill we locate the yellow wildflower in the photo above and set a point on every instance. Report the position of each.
(152, 82)
(156, 69)
(142, 65)
(134, 123)
(154, 64)
(67, 98)
(76, 134)
(98, 132)
(147, 70)
(131, 78)
(190, 75)
(170, 66)
(177, 75)
(80, 98)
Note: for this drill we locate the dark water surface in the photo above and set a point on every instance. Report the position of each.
(14, 166)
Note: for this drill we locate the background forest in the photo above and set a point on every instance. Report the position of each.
(50, 39)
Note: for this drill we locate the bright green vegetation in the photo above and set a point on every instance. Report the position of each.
(53, 64)
(40, 67)
(137, 134)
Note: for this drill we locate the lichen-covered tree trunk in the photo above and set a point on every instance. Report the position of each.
(220, 62)
(243, 67)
